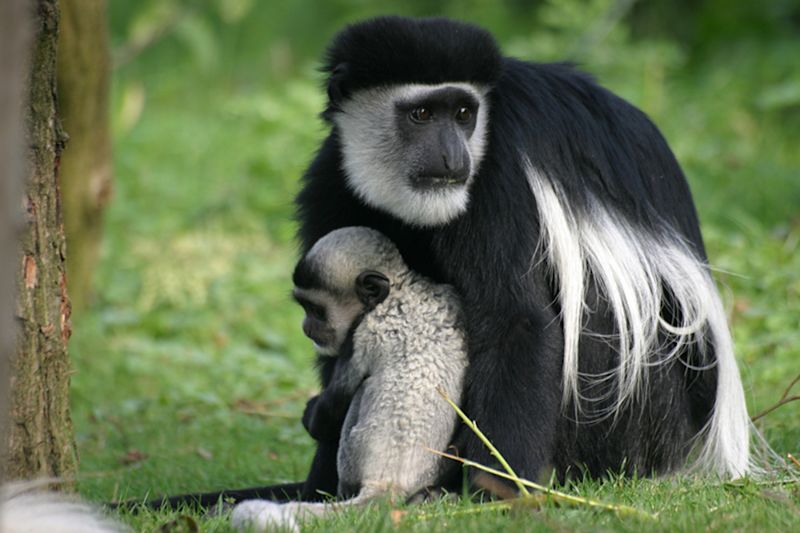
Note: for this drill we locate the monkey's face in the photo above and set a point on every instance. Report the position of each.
(332, 315)
(329, 317)
(336, 283)
(413, 150)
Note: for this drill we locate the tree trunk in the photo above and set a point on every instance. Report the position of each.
(14, 44)
(41, 442)
(83, 86)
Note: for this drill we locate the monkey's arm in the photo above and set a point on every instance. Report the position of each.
(323, 477)
(325, 413)
(513, 382)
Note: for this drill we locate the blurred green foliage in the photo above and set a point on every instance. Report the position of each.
(191, 370)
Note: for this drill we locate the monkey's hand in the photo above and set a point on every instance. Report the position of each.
(321, 420)
(309, 411)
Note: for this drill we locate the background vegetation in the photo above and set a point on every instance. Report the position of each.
(190, 368)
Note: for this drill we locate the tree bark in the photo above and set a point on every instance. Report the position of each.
(40, 440)
(14, 44)
(83, 86)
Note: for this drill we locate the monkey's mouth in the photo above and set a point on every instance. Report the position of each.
(325, 348)
(438, 182)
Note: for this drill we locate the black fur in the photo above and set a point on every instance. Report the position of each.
(305, 275)
(279, 493)
(372, 288)
(389, 51)
(592, 143)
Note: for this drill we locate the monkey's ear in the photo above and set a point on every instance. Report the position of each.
(372, 287)
(336, 88)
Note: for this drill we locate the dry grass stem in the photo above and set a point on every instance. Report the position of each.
(523, 484)
(556, 495)
(474, 427)
(785, 398)
(793, 459)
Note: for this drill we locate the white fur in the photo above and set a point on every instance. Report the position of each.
(376, 165)
(23, 510)
(631, 268)
(406, 349)
(264, 515)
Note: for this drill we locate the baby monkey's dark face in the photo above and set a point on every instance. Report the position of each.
(329, 317)
(332, 314)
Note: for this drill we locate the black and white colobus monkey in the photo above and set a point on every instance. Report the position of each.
(397, 339)
(597, 339)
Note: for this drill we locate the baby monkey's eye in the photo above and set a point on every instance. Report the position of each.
(421, 114)
(312, 310)
(315, 311)
(464, 114)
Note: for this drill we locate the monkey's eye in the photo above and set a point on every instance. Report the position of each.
(314, 311)
(463, 115)
(421, 114)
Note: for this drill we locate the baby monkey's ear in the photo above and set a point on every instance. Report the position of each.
(372, 287)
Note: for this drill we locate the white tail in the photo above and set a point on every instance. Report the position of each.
(265, 515)
(634, 270)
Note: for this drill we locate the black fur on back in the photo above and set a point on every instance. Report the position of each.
(391, 50)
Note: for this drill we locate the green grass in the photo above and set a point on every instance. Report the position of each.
(679, 506)
(193, 325)
(191, 372)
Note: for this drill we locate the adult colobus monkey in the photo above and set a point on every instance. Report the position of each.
(597, 339)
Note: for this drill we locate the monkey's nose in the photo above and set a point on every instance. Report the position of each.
(446, 162)
(455, 166)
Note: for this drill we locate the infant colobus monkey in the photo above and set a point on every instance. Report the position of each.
(398, 337)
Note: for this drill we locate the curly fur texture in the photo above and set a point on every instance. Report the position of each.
(404, 350)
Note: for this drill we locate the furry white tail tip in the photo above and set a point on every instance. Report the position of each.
(263, 515)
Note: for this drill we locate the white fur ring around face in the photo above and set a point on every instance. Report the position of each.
(263, 515)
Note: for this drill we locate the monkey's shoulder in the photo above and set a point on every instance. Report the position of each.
(419, 319)
(419, 305)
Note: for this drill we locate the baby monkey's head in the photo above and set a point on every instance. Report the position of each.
(342, 277)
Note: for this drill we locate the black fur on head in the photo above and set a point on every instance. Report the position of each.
(306, 276)
(393, 50)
